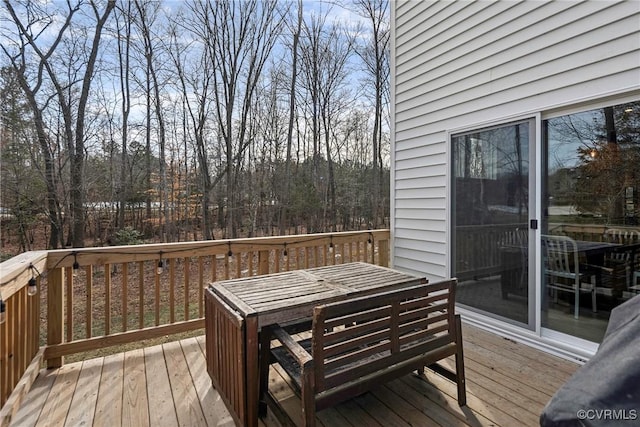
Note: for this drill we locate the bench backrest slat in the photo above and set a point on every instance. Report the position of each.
(359, 336)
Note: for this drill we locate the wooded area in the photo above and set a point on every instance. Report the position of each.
(166, 121)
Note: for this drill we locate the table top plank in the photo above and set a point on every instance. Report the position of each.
(289, 295)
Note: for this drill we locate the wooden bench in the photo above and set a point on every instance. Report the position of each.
(359, 343)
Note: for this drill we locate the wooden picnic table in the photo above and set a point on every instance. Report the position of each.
(237, 309)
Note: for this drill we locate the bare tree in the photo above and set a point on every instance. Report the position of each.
(239, 38)
(31, 81)
(195, 80)
(148, 11)
(325, 52)
(124, 55)
(375, 56)
(295, 32)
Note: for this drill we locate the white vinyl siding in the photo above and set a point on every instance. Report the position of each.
(458, 64)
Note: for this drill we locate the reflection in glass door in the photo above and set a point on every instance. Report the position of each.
(591, 196)
(491, 192)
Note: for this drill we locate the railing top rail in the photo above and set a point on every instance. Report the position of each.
(16, 268)
(114, 254)
(16, 272)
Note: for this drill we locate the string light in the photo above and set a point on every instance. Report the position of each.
(285, 253)
(230, 253)
(3, 310)
(32, 286)
(76, 265)
(331, 244)
(160, 265)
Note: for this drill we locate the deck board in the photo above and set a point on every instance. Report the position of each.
(185, 398)
(135, 405)
(167, 385)
(109, 404)
(161, 409)
(213, 408)
(32, 406)
(83, 403)
(59, 399)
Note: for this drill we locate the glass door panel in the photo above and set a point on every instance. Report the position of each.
(491, 194)
(591, 187)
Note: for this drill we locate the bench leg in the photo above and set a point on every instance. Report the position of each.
(308, 398)
(265, 347)
(460, 378)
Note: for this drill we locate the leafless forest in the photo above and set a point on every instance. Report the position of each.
(129, 121)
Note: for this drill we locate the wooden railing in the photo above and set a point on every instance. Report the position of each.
(99, 297)
(20, 352)
(478, 248)
(587, 232)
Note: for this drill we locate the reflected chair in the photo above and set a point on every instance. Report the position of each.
(562, 269)
(515, 258)
(623, 258)
(634, 289)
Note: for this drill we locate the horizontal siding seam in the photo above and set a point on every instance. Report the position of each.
(423, 53)
(512, 59)
(509, 89)
(530, 37)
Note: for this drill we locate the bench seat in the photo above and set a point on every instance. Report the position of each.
(359, 343)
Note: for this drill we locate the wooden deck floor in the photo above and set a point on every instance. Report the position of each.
(507, 384)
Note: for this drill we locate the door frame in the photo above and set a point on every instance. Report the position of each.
(534, 215)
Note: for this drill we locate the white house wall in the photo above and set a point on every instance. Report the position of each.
(457, 64)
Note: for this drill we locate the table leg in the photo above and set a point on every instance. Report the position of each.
(264, 356)
(253, 372)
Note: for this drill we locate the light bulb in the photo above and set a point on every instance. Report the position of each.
(3, 309)
(160, 267)
(331, 247)
(32, 288)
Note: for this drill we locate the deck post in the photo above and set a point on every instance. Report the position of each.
(383, 253)
(263, 262)
(55, 313)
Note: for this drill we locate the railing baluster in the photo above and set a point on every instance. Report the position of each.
(172, 286)
(35, 319)
(200, 286)
(89, 301)
(187, 268)
(366, 252)
(214, 267)
(125, 294)
(292, 254)
(12, 317)
(157, 298)
(69, 311)
(140, 294)
(107, 299)
(19, 337)
(239, 264)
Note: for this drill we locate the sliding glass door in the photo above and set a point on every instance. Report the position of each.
(591, 218)
(492, 186)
